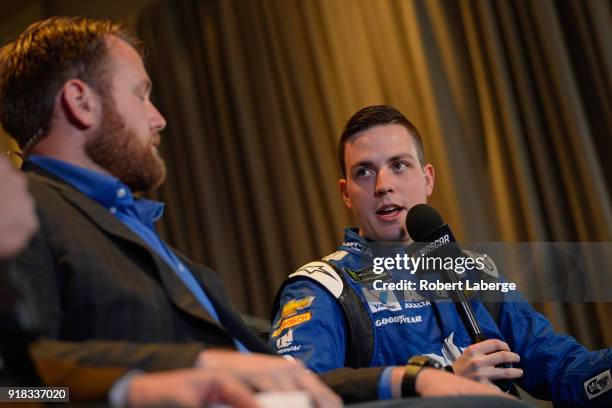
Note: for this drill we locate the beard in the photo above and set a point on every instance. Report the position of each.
(123, 154)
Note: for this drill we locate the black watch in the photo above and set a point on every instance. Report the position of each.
(413, 368)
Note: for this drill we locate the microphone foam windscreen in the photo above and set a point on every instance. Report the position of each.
(421, 220)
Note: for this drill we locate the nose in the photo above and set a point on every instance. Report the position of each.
(157, 122)
(383, 184)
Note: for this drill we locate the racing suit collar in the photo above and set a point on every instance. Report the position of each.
(366, 248)
(353, 242)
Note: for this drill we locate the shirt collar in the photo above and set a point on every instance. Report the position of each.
(105, 189)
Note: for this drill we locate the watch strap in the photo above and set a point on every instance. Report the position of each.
(415, 365)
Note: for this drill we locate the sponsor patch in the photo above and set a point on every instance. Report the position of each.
(336, 256)
(290, 308)
(598, 385)
(412, 300)
(379, 300)
(354, 245)
(285, 340)
(401, 319)
(292, 322)
(314, 267)
(284, 344)
(416, 305)
(324, 274)
(367, 275)
(289, 349)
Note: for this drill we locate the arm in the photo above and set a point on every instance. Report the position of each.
(313, 326)
(321, 340)
(354, 384)
(185, 387)
(438, 383)
(351, 384)
(17, 219)
(189, 388)
(556, 366)
(269, 373)
(121, 355)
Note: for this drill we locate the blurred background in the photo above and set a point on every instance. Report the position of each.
(513, 100)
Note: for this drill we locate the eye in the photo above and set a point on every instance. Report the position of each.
(143, 94)
(363, 172)
(401, 165)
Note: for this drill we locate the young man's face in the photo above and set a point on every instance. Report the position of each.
(384, 179)
(127, 139)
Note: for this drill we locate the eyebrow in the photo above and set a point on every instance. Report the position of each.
(401, 156)
(367, 163)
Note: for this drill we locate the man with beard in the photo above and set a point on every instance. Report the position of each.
(110, 292)
(178, 387)
(187, 387)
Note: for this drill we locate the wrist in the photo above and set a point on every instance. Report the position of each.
(396, 381)
(119, 394)
(135, 393)
(412, 372)
(426, 376)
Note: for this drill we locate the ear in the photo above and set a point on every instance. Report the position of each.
(80, 102)
(347, 200)
(430, 175)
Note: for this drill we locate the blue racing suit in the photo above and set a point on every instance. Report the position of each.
(326, 311)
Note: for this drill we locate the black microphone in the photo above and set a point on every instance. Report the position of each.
(433, 237)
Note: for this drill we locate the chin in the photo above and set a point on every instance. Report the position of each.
(396, 236)
(392, 237)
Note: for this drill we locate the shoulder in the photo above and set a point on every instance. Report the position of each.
(321, 272)
(42, 187)
(52, 209)
(317, 278)
(51, 204)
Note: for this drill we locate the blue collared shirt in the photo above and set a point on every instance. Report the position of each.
(138, 215)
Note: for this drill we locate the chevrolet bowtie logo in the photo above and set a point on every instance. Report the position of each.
(294, 305)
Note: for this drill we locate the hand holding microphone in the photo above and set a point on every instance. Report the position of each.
(489, 361)
(485, 360)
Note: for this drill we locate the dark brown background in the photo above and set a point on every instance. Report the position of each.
(512, 97)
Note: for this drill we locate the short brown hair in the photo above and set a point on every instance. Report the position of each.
(35, 66)
(377, 115)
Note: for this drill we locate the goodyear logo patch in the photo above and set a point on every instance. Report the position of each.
(290, 308)
(292, 322)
